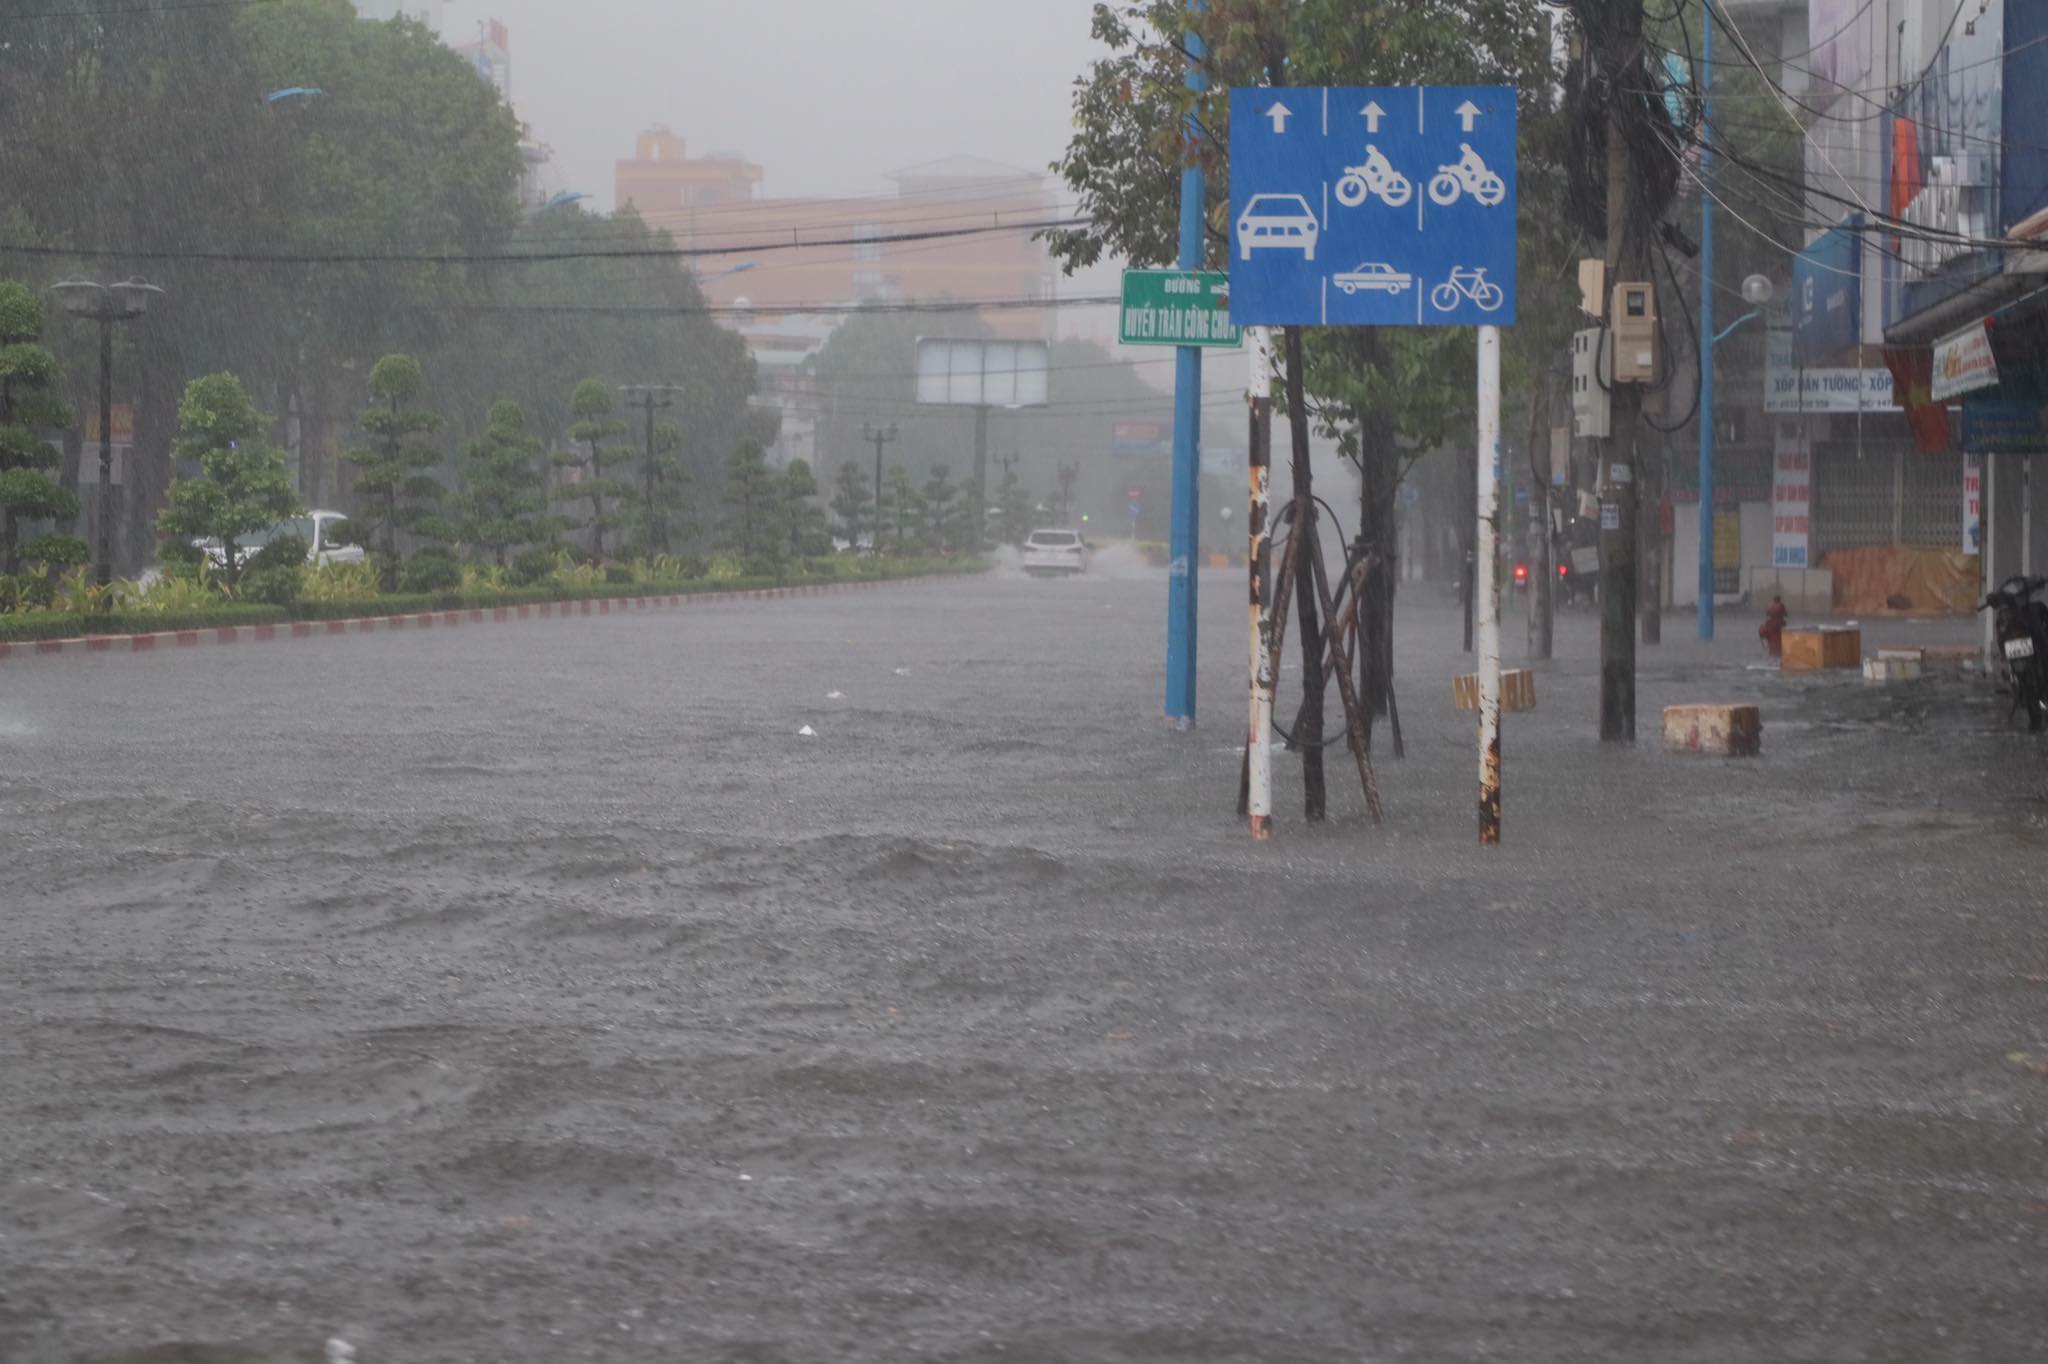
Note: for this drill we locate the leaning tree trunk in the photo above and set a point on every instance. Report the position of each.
(1377, 540)
(1308, 733)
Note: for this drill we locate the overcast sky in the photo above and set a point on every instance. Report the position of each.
(827, 95)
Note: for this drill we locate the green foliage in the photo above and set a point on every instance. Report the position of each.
(394, 478)
(357, 582)
(1016, 505)
(27, 491)
(60, 551)
(21, 629)
(242, 487)
(853, 502)
(504, 495)
(21, 313)
(802, 519)
(906, 510)
(597, 424)
(275, 573)
(530, 567)
(939, 496)
(431, 570)
(752, 495)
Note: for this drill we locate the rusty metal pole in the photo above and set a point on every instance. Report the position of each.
(1488, 586)
(1259, 750)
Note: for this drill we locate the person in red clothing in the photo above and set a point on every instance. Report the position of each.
(1772, 631)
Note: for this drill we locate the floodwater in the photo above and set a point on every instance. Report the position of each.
(536, 994)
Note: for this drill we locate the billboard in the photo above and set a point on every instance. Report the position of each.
(980, 373)
(1827, 292)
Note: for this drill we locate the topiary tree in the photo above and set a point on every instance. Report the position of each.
(803, 520)
(906, 505)
(596, 423)
(504, 497)
(751, 494)
(1016, 505)
(242, 487)
(27, 491)
(940, 493)
(394, 475)
(852, 502)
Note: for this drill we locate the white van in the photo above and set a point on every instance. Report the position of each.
(316, 528)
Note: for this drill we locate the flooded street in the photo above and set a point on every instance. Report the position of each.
(535, 993)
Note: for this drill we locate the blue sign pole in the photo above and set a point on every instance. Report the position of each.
(1706, 602)
(1187, 433)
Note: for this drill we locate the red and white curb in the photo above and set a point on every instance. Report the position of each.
(433, 620)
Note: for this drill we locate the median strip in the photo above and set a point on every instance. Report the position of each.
(305, 629)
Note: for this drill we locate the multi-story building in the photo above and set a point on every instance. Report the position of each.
(956, 232)
(1961, 258)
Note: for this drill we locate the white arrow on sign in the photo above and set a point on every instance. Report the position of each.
(1373, 114)
(1468, 114)
(1279, 113)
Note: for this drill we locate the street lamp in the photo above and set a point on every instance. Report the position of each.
(1756, 291)
(106, 304)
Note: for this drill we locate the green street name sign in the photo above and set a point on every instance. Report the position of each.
(1176, 308)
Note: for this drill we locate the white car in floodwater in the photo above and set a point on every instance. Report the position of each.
(1053, 553)
(317, 528)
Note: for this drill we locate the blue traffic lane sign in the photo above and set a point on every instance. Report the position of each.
(1372, 207)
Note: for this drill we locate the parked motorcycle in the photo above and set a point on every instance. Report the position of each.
(2019, 624)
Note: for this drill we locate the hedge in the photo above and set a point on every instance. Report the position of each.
(18, 629)
(35, 625)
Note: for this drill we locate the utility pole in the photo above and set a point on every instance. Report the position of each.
(1181, 583)
(1542, 469)
(652, 398)
(1488, 537)
(980, 519)
(879, 436)
(1706, 415)
(1259, 743)
(1619, 521)
(1067, 473)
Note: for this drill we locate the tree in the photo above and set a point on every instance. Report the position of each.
(751, 489)
(395, 486)
(595, 424)
(938, 497)
(906, 505)
(242, 486)
(853, 503)
(27, 492)
(504, 496)
(803, 520)
(1016, 505)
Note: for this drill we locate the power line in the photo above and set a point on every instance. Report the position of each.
(735, 311)
(168, 6)
(511, 258)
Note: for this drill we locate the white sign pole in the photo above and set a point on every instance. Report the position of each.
(1488, 587)
(1259, 742)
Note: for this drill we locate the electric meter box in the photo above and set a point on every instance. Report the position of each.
(1634, 320)
(1592, 408)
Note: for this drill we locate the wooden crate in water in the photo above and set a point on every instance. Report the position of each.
(1517, 690)
(1814, 649)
